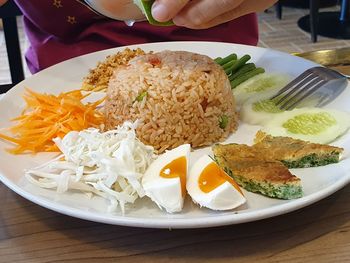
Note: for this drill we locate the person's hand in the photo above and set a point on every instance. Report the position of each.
(2, 2)
(117, 9)
(201, 14)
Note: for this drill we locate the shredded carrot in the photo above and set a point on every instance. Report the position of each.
(47, 116)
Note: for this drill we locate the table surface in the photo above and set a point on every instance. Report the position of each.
(318, 233)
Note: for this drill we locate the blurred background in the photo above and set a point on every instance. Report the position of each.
(285, 27)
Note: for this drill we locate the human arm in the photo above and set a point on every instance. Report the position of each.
(201, 14)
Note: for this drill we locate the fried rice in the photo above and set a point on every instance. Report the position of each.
(178, 97)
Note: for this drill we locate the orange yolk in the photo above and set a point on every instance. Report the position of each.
(176, 168)
(213, 176)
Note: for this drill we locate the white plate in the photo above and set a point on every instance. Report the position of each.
(317, 182)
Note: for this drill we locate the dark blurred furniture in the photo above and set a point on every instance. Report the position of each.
(330, 24)
(313, 17)
(301, 4)
(8, 14)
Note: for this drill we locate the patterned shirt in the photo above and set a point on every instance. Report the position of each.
(61, 29)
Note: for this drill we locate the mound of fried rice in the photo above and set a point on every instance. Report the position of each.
(178, 97)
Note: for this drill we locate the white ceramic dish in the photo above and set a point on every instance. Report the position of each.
(317, 182)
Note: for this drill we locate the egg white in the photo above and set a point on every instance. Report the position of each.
(224, 197)
(166, 192)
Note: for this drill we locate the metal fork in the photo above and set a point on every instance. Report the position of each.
(316, 86)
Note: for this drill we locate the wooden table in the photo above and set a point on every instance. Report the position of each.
(318, 233)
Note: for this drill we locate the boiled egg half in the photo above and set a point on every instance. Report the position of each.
(209, 186)
(165, 179)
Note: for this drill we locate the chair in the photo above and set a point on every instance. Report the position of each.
(8, 14)
(314, 8)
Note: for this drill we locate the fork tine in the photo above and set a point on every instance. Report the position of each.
(299, 86)
(309, 90)
(308, 83)
(292, 83)
(299, 89)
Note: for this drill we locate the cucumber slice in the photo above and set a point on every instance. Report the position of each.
(146, 8)
(259, 110)
(256, 86)
(309, 124)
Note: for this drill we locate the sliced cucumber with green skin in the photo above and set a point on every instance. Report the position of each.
(259, 110)
(258, 85)
(146, 8)
(309, 124)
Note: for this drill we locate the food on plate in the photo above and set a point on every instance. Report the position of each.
(165, 103)
(315, 125)
(209, 186)
(98, 78)
(261, 84)
(237, 69)
(257, 174)
(259, 112)
(47, 116)
(295, 153)
(109, 164)
(146, 7)
(165, 179)
(179, 97)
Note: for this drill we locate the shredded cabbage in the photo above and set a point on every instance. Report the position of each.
(109, 164)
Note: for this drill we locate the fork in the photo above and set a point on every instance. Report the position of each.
(318, 84)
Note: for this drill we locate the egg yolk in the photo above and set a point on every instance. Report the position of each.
(213, 176)
(176, 168)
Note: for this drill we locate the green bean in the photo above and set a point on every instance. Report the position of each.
(228, 64)
(246, 68)
(218, 59)
(246, 76)
(228, 59)
(239, 63)
(228, 71)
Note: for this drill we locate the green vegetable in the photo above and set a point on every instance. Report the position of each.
(228, 64)
(309, 123)
(146, 8)
(266, 106)
(227, 59)
(313, 160)
(228, 71)
(140, 97)
(237, 70)
(246, 68)
(239, 63)
(281, 191)
(265, 82)
(246, 76)
(223, 121)
(218, 60)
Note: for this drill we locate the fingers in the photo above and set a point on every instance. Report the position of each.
(223, 18)
(165, 10)
(202, 17)
(199, 12)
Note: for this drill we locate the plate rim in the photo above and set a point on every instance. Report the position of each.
(182, 223)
